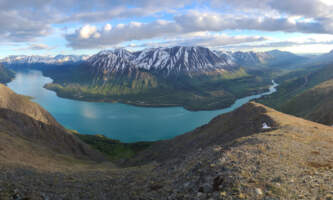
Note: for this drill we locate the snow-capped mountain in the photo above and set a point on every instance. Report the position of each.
(167, 60)
(59, 59)
(187, 60)
(111, 61)
(180, 59)
(164, 60)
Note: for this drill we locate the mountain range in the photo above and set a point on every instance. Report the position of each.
(179, 57)
(29, 60)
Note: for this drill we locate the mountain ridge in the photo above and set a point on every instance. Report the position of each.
(25, 119)
(261, 154)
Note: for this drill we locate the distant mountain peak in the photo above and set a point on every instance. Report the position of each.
(109, 61)
(35, 59)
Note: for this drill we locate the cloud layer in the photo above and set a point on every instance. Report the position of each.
(105, 23)
(91, 37)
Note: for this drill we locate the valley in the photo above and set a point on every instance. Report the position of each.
(306, 91)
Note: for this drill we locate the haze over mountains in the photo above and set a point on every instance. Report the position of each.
(26, 60)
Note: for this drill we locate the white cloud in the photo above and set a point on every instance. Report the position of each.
(107, 27)
(192, 22)
(202, 39)
(86, 31)
(28, 21)
(35, 47)
(24, 21)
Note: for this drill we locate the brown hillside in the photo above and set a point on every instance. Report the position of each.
(232, 157)
(24, 122)
(221, 130)
(21, 104)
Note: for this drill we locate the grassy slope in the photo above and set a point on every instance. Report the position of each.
(314, 104)
(113, 148)
(295, 83)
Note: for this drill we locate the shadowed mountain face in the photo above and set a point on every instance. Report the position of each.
(21, 104)
(5, 74)
(30, 123)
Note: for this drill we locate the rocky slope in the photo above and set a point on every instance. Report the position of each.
(252, 153)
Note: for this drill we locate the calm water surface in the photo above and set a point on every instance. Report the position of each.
(118, 121)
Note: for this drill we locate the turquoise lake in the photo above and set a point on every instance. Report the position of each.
(117, 121)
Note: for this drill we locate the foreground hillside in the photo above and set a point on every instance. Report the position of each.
(252, 153)
(29, 133)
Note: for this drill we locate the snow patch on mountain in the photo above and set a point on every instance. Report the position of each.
(165, 60)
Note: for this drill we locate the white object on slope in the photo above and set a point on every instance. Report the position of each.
(265, 126)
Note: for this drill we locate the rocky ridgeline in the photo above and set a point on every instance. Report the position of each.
(252, 153)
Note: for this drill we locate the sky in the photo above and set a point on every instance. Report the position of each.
(51, 27)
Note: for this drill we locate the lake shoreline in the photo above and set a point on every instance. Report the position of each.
(148, 105)
(127, 123)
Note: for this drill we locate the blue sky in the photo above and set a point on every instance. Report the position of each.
(50, 27)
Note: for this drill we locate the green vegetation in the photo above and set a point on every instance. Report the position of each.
(306, 93)
(209, 91)
(5, 74)
(295, 83)
(113, 148)
(314, 104)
